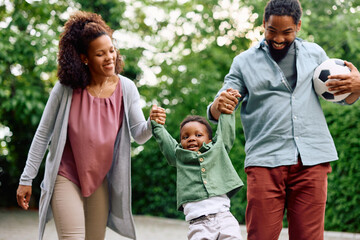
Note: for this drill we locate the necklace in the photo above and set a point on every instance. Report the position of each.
(101, 88)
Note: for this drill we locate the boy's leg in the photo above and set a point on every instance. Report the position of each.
(221, 226)
(230, 228)
(203, 230)
(96, 212)
(306, 202)
(68, 210)
(266, 202)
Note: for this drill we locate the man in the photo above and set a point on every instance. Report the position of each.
(288, 144)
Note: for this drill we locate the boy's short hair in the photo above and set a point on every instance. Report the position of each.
(290, 8)
(196, 118)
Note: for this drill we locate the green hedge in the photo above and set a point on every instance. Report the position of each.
(343, 210)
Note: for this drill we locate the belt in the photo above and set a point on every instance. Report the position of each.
(202, 217)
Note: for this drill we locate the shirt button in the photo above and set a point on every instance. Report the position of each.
(198, 152)
(203, 169)
(205, 182)
(201, 159)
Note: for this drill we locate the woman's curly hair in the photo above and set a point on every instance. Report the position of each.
(79, 31)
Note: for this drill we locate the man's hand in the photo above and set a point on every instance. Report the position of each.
(348, 83)
(225, 103)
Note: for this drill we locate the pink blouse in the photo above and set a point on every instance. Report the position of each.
(92, 129)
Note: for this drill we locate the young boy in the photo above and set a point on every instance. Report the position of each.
(206, 178)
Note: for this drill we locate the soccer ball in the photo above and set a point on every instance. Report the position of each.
(329, 67)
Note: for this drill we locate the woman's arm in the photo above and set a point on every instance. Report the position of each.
(140, 128)
(38, 148)
(42, 136)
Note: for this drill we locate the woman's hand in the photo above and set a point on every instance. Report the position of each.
(158, 114)
(23, 195)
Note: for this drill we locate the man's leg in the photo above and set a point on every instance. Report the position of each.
(307, 191)
(266, 202)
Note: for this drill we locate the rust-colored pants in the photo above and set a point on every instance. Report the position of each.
(301, 190)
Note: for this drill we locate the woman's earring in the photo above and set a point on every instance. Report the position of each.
(86, 63)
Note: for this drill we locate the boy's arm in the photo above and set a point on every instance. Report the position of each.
(166, 142)
(226, 130)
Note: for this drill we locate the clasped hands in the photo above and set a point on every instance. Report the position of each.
(225, 103)
(158, 114)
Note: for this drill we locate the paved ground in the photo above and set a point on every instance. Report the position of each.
(22, 225)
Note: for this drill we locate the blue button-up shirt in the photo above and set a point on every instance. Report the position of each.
(279, 123)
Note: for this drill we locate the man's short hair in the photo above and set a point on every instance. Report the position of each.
(290, 8)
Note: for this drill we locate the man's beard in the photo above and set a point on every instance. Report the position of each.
(276, 54)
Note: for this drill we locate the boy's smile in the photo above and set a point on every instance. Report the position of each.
(193, 135)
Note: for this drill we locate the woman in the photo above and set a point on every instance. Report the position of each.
(86, 126)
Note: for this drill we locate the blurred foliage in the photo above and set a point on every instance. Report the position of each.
(28, 71)
(342, 211)
(178, 53)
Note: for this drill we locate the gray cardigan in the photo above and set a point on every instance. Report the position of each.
(51, 135)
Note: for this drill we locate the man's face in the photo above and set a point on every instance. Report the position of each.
(280, 32)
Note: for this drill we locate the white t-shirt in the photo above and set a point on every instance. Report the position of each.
(207, 206)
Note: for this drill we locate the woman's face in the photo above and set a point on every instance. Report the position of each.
(101, 57)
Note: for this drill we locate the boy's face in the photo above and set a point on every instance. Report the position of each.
(193, 135)
(280, 32)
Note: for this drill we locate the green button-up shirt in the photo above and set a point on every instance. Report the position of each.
(206, 173)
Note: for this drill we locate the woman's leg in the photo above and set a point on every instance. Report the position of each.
(96, 212)
(68, 210)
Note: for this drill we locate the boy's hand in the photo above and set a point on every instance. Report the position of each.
(233, 92)
(158, 114)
